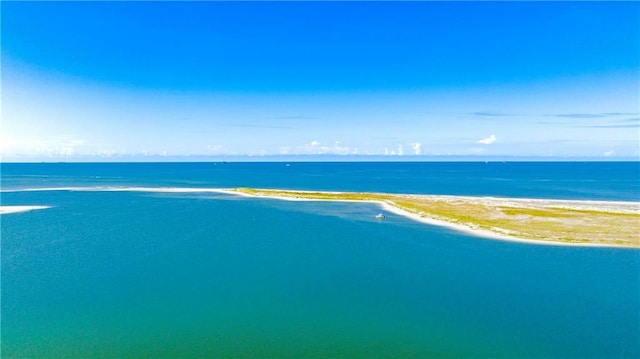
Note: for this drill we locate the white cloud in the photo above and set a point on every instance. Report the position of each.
(60, 146)
(417, 148)
(400, 150)
(608, 153)
(487, 141)
(318, 148)
(217, 149)
(108, 153)
(66, 151)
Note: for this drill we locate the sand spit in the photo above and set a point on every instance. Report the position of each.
(124, 189)
(552, 222)
(18, 209)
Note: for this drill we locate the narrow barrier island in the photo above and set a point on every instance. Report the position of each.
(544, 221)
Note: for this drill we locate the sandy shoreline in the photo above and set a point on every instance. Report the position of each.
(481, 232)
(18, 209)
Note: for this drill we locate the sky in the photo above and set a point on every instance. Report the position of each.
(119, 81)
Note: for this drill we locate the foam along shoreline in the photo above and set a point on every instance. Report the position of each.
(18, 209)
(550, 222)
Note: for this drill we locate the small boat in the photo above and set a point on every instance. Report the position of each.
(379, 216)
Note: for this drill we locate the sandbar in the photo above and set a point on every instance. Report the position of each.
(18, 209)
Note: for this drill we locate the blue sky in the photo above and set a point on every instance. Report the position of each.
(143, 80)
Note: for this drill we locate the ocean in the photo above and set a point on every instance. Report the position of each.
(122, 274)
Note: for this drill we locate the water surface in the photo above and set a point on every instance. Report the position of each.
(128, 274)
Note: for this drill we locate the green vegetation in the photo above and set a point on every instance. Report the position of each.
(583, 222)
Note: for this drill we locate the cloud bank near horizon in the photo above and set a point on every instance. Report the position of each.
(384, 82)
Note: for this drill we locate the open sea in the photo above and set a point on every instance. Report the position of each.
(121, 274)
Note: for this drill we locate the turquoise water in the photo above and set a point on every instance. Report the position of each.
(143, 274)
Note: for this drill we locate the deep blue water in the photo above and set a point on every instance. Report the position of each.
(143, 274)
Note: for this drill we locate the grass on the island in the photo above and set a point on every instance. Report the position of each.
(528, 220)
